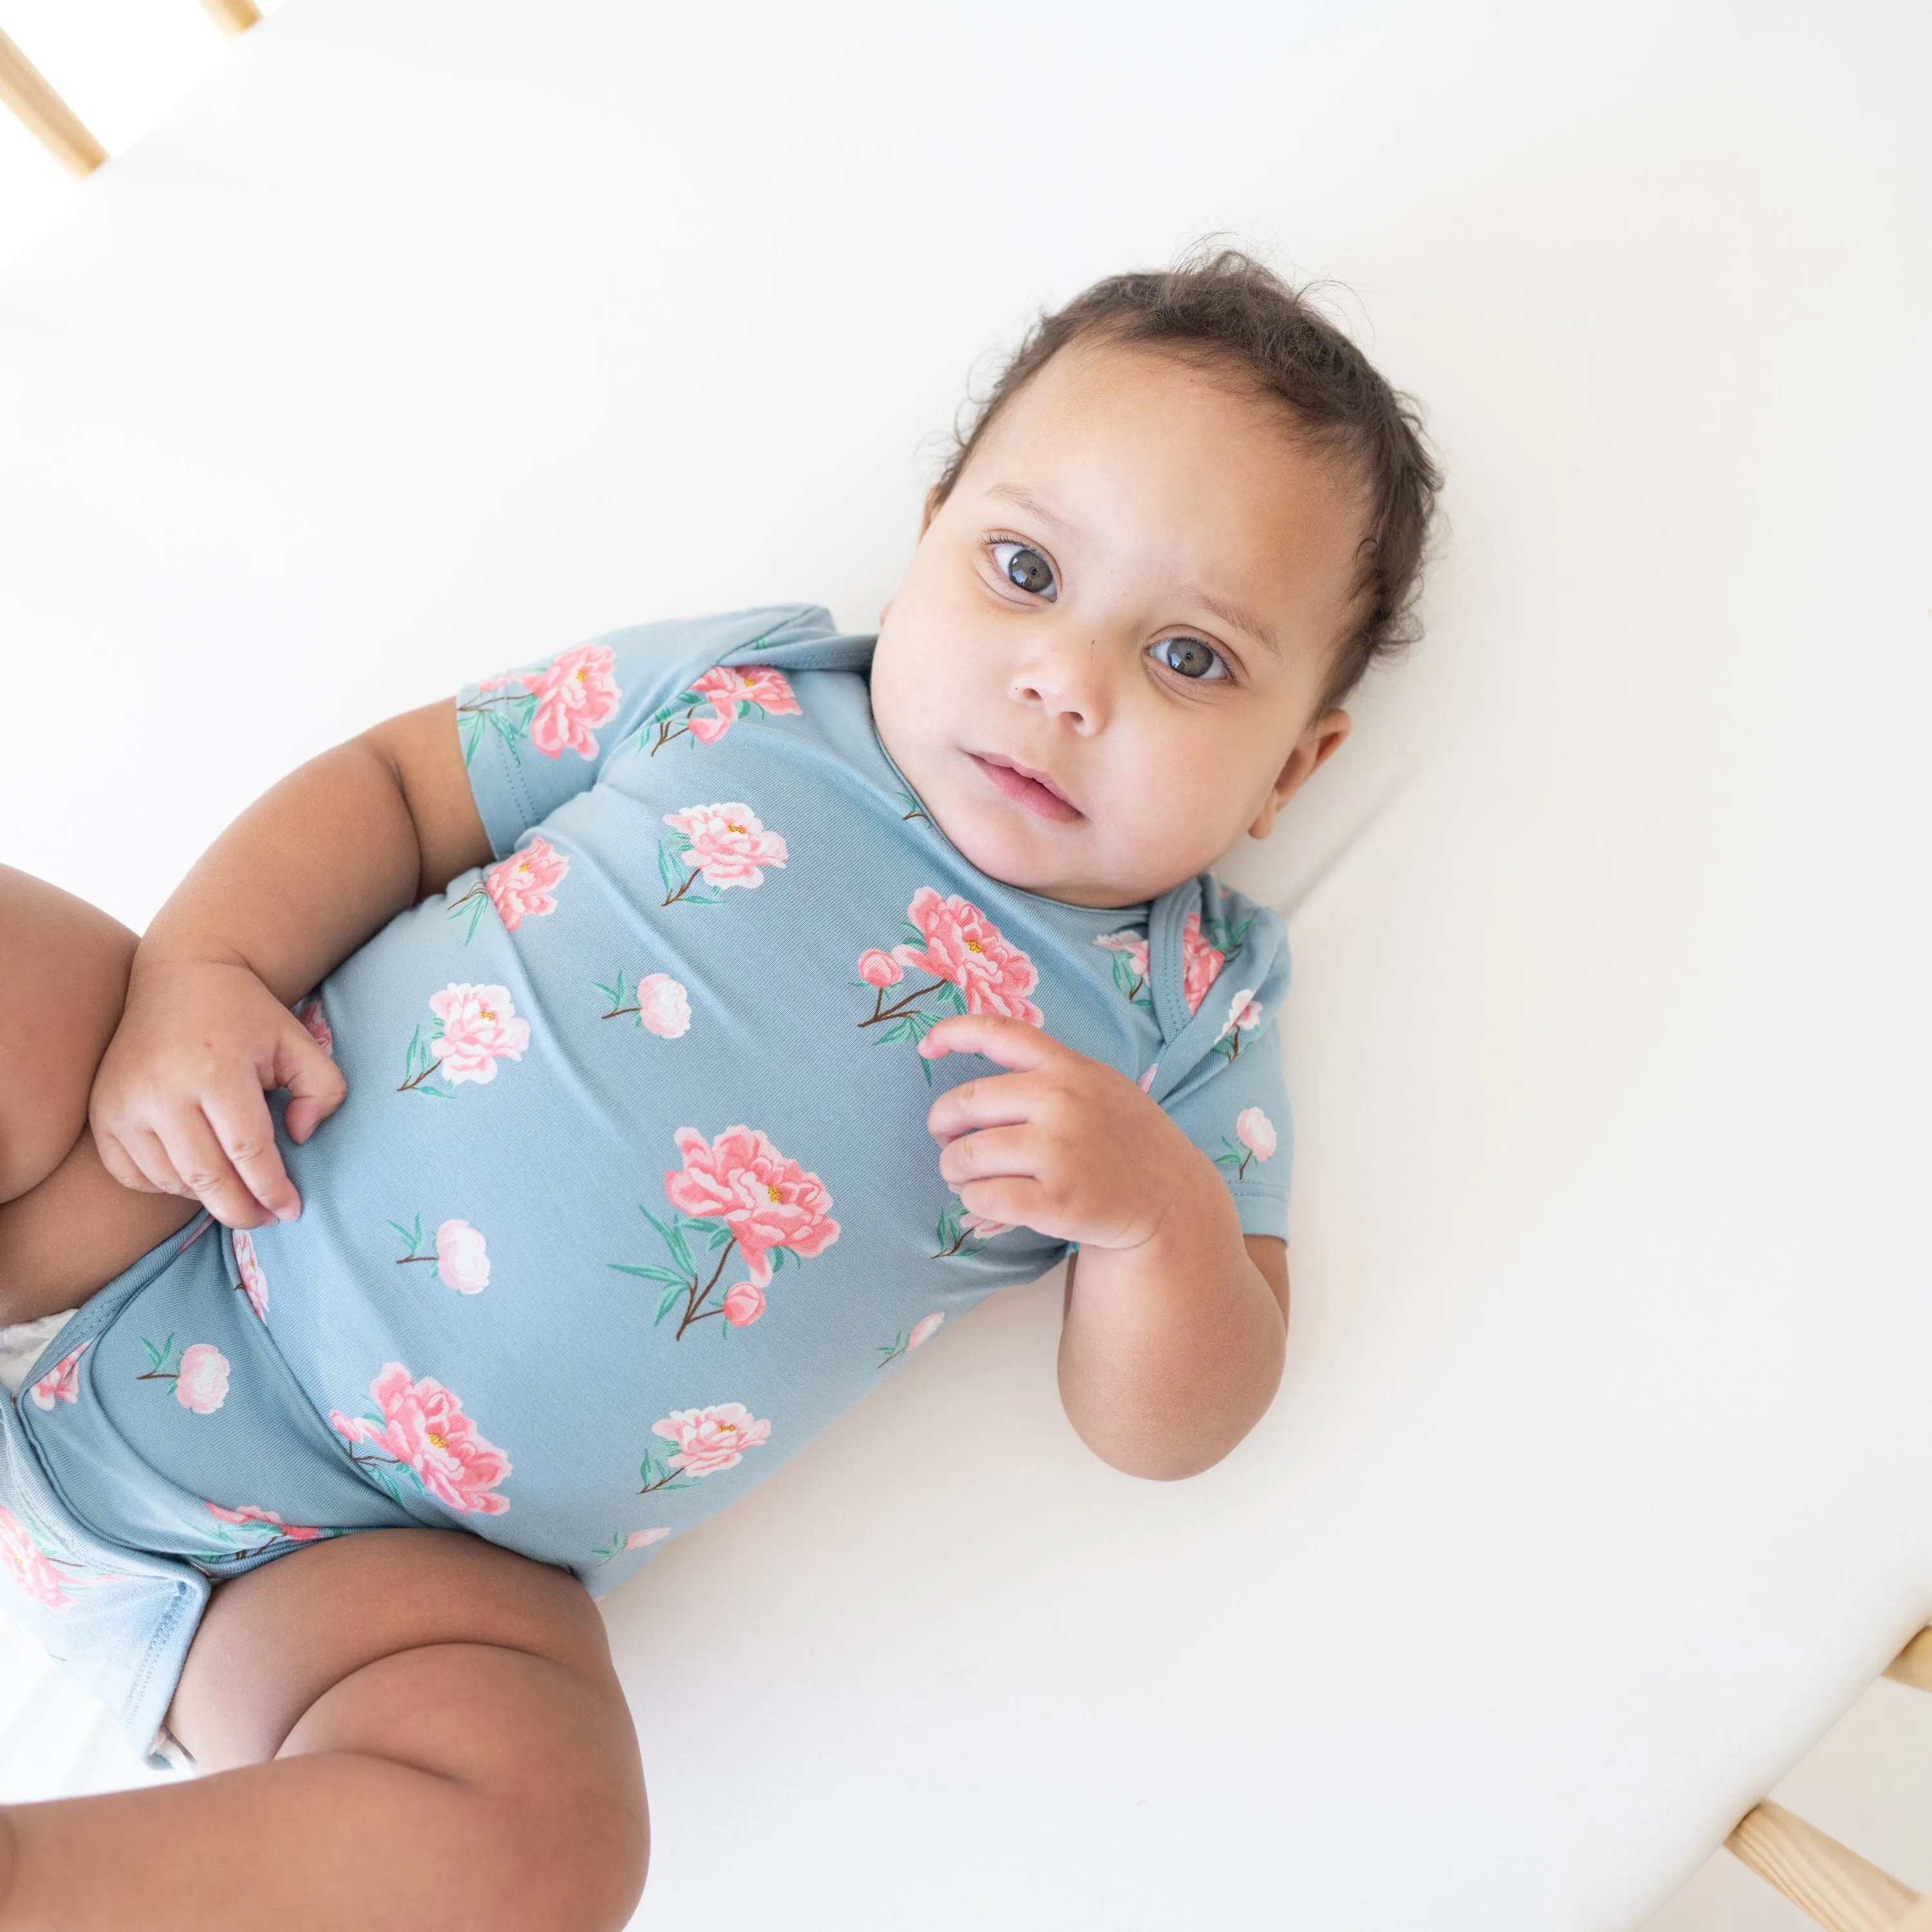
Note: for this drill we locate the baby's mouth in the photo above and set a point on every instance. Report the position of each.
(1037, 793)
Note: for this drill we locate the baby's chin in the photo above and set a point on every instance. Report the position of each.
(1036, 855)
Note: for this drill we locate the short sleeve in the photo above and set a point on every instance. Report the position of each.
(1237, 1116)
(1219, 975)
(537, 735)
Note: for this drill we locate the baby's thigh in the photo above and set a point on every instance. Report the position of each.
(63, 968)
(441, 1651)
(72, 1234)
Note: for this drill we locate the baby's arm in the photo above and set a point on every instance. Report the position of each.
(1172, 1349)
(309, 872)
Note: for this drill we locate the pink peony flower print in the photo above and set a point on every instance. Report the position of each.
(62, 1383)
(575, 694)
(1244, 1011)
(743, 1304)
(254, 1282)
(726, 843)
(31, 1571)
(1255, 1132)
(423, 1428)
(1145, 1082)
(479, 1027)
(984, 1225)
(767, 1201)
(878, 969)
(904, 1344)
(1244, 1014)
(201, 1383)
(248, 1513)
(1201, 963)
(519, 886)
(664, 1007)
(640, 1539)
(462, 1259)
(964, 946)
(316, 1021)
(724, 687)
(711, 1439)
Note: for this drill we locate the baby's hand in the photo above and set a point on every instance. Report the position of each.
(1061, 1144)
(178, 1103)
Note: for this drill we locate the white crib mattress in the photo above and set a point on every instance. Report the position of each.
(422, 341)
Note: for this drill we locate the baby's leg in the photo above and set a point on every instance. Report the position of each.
(67, 1226)
(399, 1728)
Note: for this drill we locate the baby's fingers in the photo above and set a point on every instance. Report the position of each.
(196, 1144)
(315, 1083)
(246, 1132)
(137, 1160)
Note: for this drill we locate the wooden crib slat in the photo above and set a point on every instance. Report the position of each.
(1842, 1891)
(234, 17)
(1913, 1664)
(26, 91)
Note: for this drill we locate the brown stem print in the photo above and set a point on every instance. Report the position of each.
(690, 878)
(897, 1010)
(666, 734)
(695, 1297)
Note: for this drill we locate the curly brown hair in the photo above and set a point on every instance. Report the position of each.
(1226, 312)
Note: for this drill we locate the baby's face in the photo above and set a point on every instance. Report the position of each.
(1071, 612)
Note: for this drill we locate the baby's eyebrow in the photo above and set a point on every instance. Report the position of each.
(1027, 500)
(1234, 617)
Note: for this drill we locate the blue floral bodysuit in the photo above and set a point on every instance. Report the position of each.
(632, 1193)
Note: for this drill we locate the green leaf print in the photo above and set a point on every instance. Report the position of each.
(679, 879)
(658, 1475)
(1226, 938)
(1237, 1156)
(477, 899)
(507, 713)
(650, 1274)
(419, 1064)
(953, 1236)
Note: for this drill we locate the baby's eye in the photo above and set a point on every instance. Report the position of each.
(1026, 568)
(1189, 657)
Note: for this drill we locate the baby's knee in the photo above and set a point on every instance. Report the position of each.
(557, 1830)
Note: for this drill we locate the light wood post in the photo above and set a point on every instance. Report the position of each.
(1827, 1880)
(234, 17)
(1913, 1664)
(25, 89)
(1842, 1891)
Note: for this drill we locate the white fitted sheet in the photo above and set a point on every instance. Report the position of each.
(422, 341)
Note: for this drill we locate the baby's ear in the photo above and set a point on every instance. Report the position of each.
(1313, 750)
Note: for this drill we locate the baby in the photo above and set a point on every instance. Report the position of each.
(538, 1117)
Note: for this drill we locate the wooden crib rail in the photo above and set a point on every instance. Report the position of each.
(46, 116)
(1827, 1881)
(25, 89)
(234, 17)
